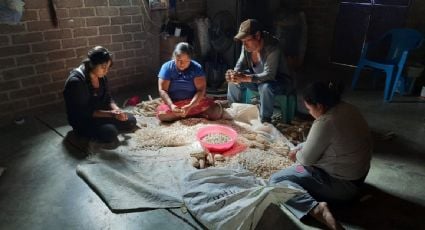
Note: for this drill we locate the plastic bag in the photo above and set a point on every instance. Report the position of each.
(230, 199)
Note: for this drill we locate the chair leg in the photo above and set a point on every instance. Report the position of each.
(356, 75)
(388, 80)
(411, 84)
(283, 105)
(394, 88)
(247, 96)
(292, 107)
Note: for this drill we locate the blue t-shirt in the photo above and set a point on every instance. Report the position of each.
(182, 85)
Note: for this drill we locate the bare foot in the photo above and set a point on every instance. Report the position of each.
(322, 213)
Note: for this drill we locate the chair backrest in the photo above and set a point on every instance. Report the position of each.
(402, 40)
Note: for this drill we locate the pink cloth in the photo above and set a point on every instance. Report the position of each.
(202, 106)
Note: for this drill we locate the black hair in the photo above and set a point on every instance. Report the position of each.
(97, 56)
(183, 48)
(327, 94)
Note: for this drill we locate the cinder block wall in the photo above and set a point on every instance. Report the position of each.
(36, 57)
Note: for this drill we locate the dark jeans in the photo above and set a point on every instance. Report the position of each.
(106, 129)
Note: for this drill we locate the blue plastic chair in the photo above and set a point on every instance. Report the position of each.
(401, 42)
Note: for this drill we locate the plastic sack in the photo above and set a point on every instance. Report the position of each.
(230, 199)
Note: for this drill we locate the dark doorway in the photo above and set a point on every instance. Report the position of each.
(364, 20)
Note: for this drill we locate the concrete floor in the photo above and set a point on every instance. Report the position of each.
(41, 190)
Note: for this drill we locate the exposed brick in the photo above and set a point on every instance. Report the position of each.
(121, 38)
(29, 15)
(60, 75)
(98, 21)
(69, 3)
(18, 73)
(123, 54)
(109, 30)
(44, 14)
(115, 47)
(131, 28)
(39, 25)
(132, 62)
(61, 54)
(57, 34)
(13, 106)
(27, 38)
(119, 2)
(118, 64)
(4, 97)
(52, 87)
(100, 40)
(6, 63)
(36, 80)
(82, 52)
(9, 85)
(106, 11)
(4, 40)
(7, 29)
(96, 2)
(130, 10)
(136, 19)
(81, 12)
(35, 4)
(31, 59)
(74, 42)
(120, 20)
(42, 99)
(126, 71)
(84, 32)
(50, 67)
(60, 14)
(73, 63)
(24, 93)
(72, 23)
(135, 2)
(140, 36)
(46, 46)
(132, 45)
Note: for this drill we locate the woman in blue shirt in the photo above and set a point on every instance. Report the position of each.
(182, 86)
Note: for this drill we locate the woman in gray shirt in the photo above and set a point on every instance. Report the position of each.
(335, 159)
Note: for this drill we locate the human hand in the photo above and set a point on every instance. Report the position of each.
(119, 115)
(177, 111)
(186, 109)
(292, 155)
(229, 74)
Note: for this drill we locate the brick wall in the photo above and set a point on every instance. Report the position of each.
(36, 57)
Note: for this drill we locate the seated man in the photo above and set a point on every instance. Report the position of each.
(260, 67)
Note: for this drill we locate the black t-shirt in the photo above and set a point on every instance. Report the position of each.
(81, 99)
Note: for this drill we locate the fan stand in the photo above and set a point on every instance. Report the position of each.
(221, 40)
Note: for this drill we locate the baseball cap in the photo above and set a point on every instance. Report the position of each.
(248, 27)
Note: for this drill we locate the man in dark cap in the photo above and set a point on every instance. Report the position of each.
(261, 67)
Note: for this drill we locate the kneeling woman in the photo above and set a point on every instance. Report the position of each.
(333, 162)
(90, 108)
(182, 87)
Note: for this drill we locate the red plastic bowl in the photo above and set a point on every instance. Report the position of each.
(213, 129)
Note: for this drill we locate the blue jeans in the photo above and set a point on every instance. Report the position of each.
(319, 186)
(267, 91)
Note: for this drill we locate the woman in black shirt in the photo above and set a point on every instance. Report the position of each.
(90, 108)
